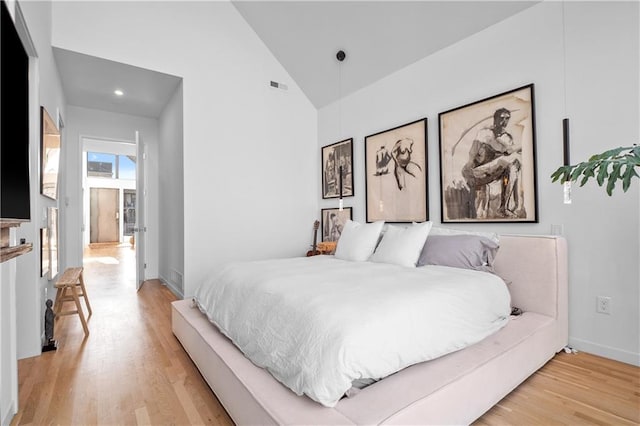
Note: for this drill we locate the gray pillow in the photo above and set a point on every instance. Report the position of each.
(460, 251)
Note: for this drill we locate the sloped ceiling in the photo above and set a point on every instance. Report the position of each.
(379, 37)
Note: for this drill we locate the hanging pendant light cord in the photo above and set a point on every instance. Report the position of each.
(340, 56)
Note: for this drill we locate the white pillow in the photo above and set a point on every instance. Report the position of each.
(402, 246)
(357, 241)
(437, 230)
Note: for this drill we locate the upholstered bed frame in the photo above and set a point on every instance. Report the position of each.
(453, 389)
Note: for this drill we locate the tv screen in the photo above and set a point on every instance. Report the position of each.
(14, 123)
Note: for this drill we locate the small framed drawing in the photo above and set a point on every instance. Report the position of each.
(333, 221)
(396, 174)
(44, 251)
(53, 242)
(488, 160)
(335, 156)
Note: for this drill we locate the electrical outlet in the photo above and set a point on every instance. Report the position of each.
(603, 305)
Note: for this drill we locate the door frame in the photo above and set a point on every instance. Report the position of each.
(105, 145)
(140, 228)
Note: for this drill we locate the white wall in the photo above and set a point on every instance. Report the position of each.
(603, 68)
(171, 198)
(8, 357)
(32, 289)
(602, 103)
(91, 123)
(21, 305)
(249, 151)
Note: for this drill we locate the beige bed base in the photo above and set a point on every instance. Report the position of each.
(453, 389)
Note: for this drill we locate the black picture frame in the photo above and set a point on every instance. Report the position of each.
(396, 174)
(333, 156)
(331, 228)
(486, 176)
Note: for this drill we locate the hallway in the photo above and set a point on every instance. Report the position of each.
(129, 370)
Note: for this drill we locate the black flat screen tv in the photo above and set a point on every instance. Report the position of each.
(14, 123)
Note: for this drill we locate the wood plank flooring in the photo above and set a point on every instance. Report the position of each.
(573, 389)
(129, 370)
(132, 370)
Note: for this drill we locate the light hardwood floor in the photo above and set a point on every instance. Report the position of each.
(132, 370)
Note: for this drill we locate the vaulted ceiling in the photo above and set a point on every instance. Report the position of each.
(379, 38)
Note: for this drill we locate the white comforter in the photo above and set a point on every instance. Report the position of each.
(318, 323)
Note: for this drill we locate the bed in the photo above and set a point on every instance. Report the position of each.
(456, 388)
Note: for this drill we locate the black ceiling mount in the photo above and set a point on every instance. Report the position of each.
(341, 55)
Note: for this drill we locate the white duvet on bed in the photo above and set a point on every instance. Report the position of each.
(318, 323)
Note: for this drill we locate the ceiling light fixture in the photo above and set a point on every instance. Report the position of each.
(118, 92)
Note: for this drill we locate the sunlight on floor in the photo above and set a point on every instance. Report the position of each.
(105, 260)
(110, 262)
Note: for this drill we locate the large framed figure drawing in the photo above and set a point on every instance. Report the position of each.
(396, 174)
(335, 158)
(488, 160)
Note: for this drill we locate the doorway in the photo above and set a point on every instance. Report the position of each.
(109, 205)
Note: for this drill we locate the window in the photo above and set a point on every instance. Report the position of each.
(126, 167)
(100, 164)
(111, 166)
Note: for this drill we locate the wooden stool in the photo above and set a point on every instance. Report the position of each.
(67, 286)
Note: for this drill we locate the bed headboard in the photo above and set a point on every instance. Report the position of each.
(535, 267)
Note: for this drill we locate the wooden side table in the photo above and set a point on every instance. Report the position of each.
(70, 288)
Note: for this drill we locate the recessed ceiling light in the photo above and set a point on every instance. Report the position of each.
(118, 92)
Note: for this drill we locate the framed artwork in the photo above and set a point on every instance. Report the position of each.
(44, 251)
(333, 221)
(487, 160)
(396, 174)
(52, 213)
(50, 155)
(334, 156)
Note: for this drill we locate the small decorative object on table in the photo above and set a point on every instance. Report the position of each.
(327, 247)
(49, 316)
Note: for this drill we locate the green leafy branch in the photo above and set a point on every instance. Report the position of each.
(610, 166)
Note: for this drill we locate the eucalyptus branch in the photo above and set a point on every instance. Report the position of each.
(610, 166)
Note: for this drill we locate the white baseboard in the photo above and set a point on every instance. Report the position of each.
(179, 294)
(8, 416)
(621, 355)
